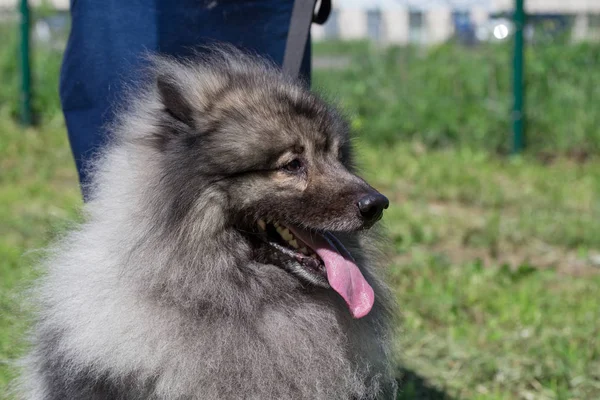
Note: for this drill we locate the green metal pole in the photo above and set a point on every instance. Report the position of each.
(25, 66)
(518, 113)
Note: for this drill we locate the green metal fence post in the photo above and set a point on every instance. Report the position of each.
(518, 113)
(25, 66)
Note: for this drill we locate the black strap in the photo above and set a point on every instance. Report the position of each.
(302, 16)
(322, 14)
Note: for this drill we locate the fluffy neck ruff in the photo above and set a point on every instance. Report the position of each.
(179, 252)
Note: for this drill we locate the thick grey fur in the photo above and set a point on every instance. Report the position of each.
(160, 293)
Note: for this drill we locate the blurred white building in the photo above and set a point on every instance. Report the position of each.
(435, 21)
(423, 21)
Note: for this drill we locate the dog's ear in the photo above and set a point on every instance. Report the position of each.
(173, 99)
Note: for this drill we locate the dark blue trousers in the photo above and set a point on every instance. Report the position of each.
(109, 37)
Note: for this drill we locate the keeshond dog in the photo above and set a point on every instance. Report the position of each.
(225, 251)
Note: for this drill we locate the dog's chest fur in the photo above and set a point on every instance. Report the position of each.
(127, 349)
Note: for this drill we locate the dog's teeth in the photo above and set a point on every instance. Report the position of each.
(284, 232)
(276, 224)
(294, 243)
(304, 250)
(262, 225)
(286, 235)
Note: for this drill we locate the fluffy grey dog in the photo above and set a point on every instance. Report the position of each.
(224, 252)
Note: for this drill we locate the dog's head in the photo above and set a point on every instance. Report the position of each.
(282, 158)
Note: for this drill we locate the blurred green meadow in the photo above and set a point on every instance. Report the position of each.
(494, 260)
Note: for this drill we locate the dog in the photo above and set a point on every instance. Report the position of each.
(225, 250)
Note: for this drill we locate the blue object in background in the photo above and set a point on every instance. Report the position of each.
(464, 28)
(108, 39)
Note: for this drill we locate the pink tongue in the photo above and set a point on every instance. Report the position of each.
(342, 272)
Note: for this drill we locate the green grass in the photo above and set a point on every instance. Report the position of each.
(450, 95)
(44, 76)
(492, 267)
(499, 333)
(487, 314)
(38, 196)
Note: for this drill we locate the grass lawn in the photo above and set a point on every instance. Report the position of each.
(38, 195)
(494, 262)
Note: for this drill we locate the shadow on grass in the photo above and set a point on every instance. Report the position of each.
(412, 386)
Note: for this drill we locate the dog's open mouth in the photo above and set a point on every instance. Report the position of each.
(284, 240)
(322, 259)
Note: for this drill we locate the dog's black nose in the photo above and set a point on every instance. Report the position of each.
(372, 205)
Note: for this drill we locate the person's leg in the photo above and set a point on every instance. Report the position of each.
(108, 39)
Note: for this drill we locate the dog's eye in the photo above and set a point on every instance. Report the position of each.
(293, 166)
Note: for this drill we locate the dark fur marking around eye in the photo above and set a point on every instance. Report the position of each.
(298, 149)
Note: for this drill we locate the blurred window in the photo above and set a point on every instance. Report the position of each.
(594, 26)
(416, 26)
(374, 24)
(464, 30)
(461, 19)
